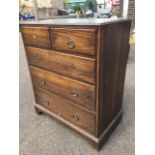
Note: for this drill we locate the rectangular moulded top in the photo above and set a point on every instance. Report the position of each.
(76, 21)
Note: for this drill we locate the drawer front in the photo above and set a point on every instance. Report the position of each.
(36, 36)
(77, 67)
(79, 92)
(74, 40)
(66, 110)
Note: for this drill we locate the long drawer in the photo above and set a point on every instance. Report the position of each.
(77, 67)
(66, 110)
(79, 92)
(36, 36)
(74, 40)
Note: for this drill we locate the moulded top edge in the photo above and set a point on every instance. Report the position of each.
(75, 21)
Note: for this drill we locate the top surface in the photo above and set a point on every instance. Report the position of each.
(76, 21)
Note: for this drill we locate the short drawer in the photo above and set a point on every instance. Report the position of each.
(65, 109)
(74, 40)
(76, 67)
(79, 92)
(36, 36)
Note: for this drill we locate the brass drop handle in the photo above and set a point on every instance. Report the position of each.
(45, 102)
(42, 81)
(74, 93)
(38, 59)
(70, 43)
(76, 117)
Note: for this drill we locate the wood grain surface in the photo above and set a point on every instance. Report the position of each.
(77, 67)
(66, 110)
(83, 40)
(64, 87)
(36, 36)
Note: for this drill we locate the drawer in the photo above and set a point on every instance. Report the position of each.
(36, 36)
(76, 67)
(65, 109)
(74, 40)
(79, 92)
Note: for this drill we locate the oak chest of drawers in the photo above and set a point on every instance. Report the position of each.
(77, 69)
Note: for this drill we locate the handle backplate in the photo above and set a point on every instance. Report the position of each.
(74, 93)
(37, 59)
(42, 82)
(70, 43)
(45, 102)
(76, 117)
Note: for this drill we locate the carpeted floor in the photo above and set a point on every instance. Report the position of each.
(43, 135)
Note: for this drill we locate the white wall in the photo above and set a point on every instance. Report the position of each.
(125, 8)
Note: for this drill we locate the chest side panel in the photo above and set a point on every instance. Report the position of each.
(114, 53)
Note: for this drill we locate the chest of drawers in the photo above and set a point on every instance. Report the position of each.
(77, 69)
